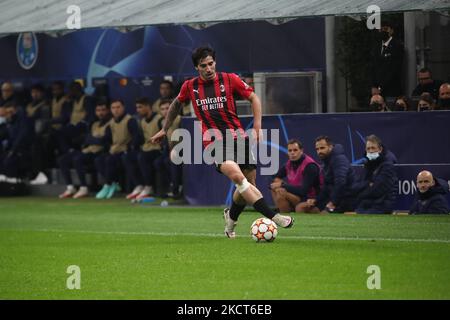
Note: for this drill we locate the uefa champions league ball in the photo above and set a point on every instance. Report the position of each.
(264, 230)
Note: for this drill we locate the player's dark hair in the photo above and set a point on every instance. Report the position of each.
(374, 139)
(58, 83)
(76, 85)
(201, 53)
(296, 141)
(38, 87)
(117, 100)
(170, 83)
(424, 70)
(326, 138)
(143, 100)
(102, 101)
(167, 100)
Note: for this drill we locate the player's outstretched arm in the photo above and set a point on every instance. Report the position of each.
(257, 115)
(174, 111)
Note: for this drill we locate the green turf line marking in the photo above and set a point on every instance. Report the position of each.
(220, 235)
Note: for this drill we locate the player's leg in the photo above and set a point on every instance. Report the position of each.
(65, 163)
(282, 200)
(99, 163)
(306, 208)
(146, 160)
(81, 161)
(129, 161)
(111, 163)
(251, 194)
(239, 203)
(176, 175)
(293, 200)
(115, 167)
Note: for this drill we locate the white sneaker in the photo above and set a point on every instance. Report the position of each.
(146, 192)
(230, 224)
(2, 177)
(70, 191)
(82, 192)
(283, 221)
(41, 178)
(136, 191)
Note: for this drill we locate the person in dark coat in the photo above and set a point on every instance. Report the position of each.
(17, 143)
(78, 111)
(426, 83)
(339, 178)
(3, 129)
(7, 94)
(387, 62)
(431, 195)
(93, 148)
(377, 190)
(38, 110)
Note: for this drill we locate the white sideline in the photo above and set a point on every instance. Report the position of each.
(217, 235)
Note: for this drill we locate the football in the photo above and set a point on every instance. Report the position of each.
(263, 230)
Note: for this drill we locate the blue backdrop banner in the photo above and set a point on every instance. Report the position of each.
(147, 55)
(419, 140)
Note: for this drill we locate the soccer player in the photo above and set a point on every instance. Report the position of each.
(123, 136)
(143, 159)
(164, 163)
(211, 94)
(93, 148)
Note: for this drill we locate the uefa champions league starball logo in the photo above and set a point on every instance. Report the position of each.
(27, 50)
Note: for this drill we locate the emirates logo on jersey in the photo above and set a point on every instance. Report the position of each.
(222, 88)
(211, 103)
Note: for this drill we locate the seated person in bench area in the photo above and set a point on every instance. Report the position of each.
(377, 189)
(17, 136)
(93, 147)
(141, 161)
(123, 136)
(431, 195)
(337, 194)
(303, 180)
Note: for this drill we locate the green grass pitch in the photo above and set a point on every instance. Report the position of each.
(127, 251)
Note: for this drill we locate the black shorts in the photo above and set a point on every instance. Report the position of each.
(240, 153)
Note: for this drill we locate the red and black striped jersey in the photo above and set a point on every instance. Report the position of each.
(214, 104)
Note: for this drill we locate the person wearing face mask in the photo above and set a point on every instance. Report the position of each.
(444, 97)
(377, 187)
(431, 195)
(401, 104)
(425, 103)
(378, 104)
(387, 61)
